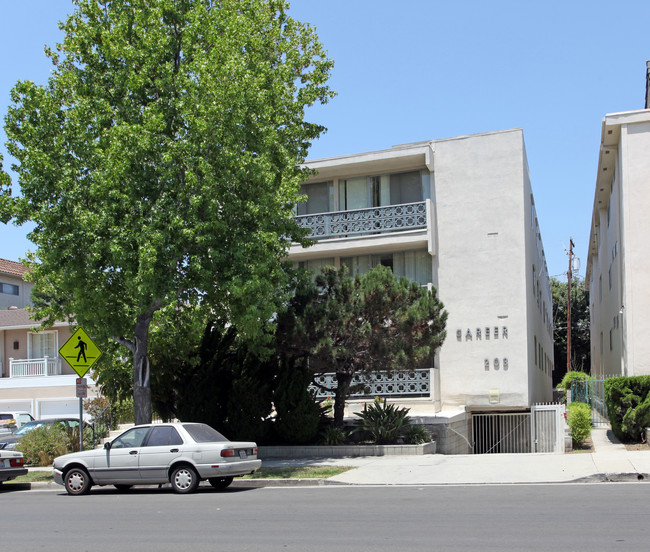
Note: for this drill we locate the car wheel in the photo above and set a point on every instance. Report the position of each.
(122, 487)
(220, 482)
(77, 481)
(184, 479)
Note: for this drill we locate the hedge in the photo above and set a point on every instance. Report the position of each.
(628, 406)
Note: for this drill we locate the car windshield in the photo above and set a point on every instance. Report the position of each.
(27, 428)
(202, 433)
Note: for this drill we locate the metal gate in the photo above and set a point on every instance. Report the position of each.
(540, 430)
(592, 392)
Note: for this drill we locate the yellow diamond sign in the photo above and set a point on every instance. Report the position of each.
(80, 352)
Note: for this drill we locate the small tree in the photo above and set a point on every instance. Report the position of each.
(371, 322)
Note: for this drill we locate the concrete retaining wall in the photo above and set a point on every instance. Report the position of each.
(345, 451)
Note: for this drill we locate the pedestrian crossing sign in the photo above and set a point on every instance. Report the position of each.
(80, 352)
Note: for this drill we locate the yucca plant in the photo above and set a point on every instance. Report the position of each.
(382, 421)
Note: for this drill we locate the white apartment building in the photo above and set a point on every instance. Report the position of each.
(457, 214)
(619, 255)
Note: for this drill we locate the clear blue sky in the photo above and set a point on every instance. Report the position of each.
(427, 69)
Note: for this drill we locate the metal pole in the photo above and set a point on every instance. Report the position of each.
(568, 309)
(81, 424)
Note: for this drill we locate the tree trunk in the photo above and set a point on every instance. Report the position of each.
(342, 392)
(141, 376)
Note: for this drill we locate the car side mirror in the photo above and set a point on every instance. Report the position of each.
(107, 445)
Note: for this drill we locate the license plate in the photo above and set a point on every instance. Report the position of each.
(242, 454)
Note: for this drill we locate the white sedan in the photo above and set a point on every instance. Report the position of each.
(183, 454)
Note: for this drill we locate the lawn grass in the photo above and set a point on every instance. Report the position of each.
(300, 472)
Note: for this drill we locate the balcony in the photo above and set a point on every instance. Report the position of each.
(398, 384)
(34, 367)
(363, 222)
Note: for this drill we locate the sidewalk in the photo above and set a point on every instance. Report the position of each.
(610, 461)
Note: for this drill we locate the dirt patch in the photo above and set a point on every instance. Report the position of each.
(587, 446)
(637, 446)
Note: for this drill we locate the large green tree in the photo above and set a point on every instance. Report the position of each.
(580, 323)
(161, 162)
(358, 325)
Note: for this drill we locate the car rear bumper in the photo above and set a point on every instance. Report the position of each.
(11, 473)
(231, 469)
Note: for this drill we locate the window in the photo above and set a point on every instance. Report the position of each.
(132, 438)
(316, 265)
(376, 191)
(43, 344)
(9, 289)
(320, 198)
(405, 188)
(163, 436)
(414, 265)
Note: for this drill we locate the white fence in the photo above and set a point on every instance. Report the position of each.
(540, 430)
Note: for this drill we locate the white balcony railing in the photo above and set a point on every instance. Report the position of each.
(34, 367)
(400, 383)
(359, 222)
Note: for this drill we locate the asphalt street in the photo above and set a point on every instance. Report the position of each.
(570, 517)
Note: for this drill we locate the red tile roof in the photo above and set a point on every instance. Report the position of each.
(12, 267)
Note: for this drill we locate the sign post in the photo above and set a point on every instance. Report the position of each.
(80, 352)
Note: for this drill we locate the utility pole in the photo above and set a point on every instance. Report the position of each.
(568, 308)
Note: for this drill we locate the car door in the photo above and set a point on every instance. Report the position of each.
(162, 446)
(119, 462)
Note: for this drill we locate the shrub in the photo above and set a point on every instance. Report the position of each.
(334, 436)
(41, 445)
(382, 421)
(628, 406)
(568, 379)
(579, 420)
(416, 435)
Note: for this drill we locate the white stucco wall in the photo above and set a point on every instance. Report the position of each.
(619, 251)
(481, 197)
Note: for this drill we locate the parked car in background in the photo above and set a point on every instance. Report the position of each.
(9, 442)
(12, 464)
(183, 454)
(10, 421)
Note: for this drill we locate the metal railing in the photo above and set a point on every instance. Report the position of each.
(359, 222)
(411, 383)
(34, 367)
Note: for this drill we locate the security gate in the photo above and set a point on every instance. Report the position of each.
(592, 392)
(540, 430)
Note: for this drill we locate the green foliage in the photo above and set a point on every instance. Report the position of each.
(333, 436)
(628, 406)
(568, 379)
(161, 162)
(375, 321)
(41, 445)
(298, 415)
(382, 421)
(580, 323)
(579, 420)
(221, 383)
(417, 435)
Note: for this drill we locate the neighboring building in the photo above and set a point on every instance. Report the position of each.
(33, 377)
(14, 291)
(457, 214)
(618, 265)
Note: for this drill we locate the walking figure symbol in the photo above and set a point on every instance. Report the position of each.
(82, 345)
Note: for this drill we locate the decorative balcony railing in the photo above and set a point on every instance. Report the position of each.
(413, 383)
(359, 222)
(34, 367)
